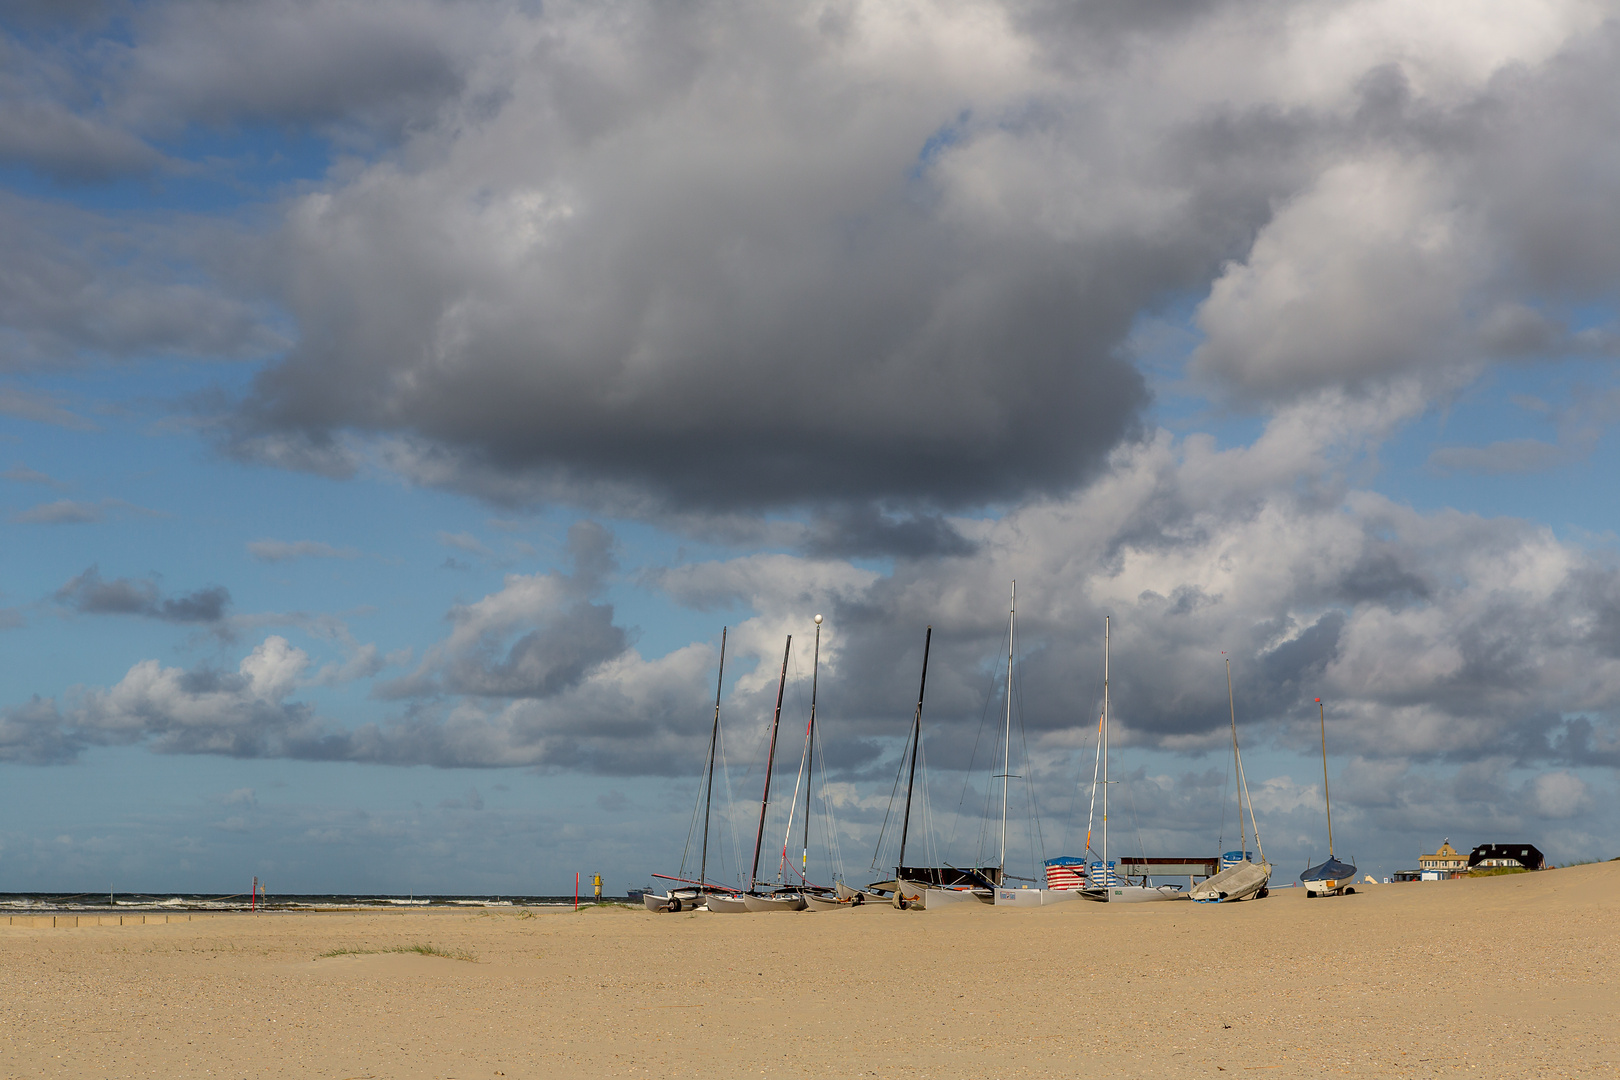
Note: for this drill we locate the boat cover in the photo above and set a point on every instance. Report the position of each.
(1332, 870)
(1238, 882)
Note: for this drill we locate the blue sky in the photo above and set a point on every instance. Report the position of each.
(396, 400)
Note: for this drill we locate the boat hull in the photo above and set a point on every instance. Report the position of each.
(1144, 894)
(866, 895)
(726, 905)
(1243, 881)
(784, 902)
(812, 902)
(1331, 878)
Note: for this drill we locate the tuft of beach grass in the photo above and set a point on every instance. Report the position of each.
(421, 949)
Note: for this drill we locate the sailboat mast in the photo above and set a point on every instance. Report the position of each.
(1006, 736)
(810, 751)
(1321, 714)
(770, 760)
(714, 741)
(916, 739)
(1243, 836)
(1107, 623)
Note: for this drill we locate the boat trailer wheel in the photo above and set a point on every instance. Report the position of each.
(674, 905)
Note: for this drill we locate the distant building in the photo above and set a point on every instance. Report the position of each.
(1525, 855)
(1442, 864)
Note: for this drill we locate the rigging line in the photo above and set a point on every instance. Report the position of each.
(899, 771)
(731, 817)
(967, 775)
(1141, 848)
(804, 756)
(691, 826)
(1029, 780)
(930, 845)
(1091, 815)
(835, 854)
(1074, 799)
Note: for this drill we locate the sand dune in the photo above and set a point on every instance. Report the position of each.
(1509, 976)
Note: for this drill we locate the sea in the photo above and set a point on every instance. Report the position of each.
(103, 903)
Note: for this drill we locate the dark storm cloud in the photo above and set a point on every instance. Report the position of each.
(90, 594)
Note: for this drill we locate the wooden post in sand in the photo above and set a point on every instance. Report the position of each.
(576, 890)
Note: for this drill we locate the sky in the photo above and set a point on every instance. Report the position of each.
(398, 399)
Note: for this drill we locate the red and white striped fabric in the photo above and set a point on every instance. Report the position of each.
(1064, 873)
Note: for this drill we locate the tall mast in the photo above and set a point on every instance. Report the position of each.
(1237, 763)
(1006, 738)
(916, 738)
(770, 760)
(1243, 781)
(1321, 715)
(1107, 622)
(714, 740)
(810, 743)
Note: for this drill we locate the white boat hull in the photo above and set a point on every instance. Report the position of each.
(867, 895)
(726, 905)
(787, 902)
(1144, 894)
(1018, 898)
(812, 902)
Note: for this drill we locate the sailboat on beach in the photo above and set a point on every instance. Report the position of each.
(1239, 879)
(1103, 886)
(690, 895)
(753, 899)
(1331, 878)
(801, 895)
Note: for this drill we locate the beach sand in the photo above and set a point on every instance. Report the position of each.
(1507, 976)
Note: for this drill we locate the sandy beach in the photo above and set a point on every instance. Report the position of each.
(1508, 976)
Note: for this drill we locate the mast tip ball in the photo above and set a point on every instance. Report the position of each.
(818, 620)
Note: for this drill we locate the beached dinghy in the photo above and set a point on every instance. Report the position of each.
(685, 894)
(1243, 879)
(880, 891)
(729, 904)
(789, 900)
(1332, 878)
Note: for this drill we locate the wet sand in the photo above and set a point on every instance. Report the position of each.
(1508, 976)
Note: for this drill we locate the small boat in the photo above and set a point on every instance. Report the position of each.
(1241, 879)
(685, 894)
(788, 900)
(912, 886)
(737, 903)
(1331, 878)
(876, 892)
(815, 901)
(1103, 887)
